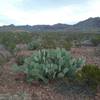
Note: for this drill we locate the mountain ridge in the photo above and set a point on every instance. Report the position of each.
(90, 24)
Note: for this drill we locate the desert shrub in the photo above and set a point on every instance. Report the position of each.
(90, 75)
(52, 41)
(49, 64)
(10, 39)
(66, 44)
(20, 60)
(48, 41)
(34, 45)
(96, 40)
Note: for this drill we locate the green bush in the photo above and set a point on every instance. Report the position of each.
(20, 60)
(96, 40)
(54, 40)
(66, 44)
(90, 75)
(49, 64)
(34, 45)
(10, 39)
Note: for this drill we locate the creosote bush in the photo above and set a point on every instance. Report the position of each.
(48, 64)
(90, 75)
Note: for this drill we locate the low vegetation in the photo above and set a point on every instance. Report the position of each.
(49, 64)
(34, 45)
(89, 75)
(10, 39)
(45, 57)
(96, 40)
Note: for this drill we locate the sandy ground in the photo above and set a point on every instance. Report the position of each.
(88, 53)
(12, 88)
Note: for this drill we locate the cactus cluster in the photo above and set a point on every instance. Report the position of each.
(48, 64)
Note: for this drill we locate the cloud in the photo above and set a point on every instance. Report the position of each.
(46, 4)
(51, 16)
(62, 12)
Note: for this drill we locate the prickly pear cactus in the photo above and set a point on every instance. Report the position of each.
(48, 64)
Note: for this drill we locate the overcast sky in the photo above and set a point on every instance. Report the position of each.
(32, 12)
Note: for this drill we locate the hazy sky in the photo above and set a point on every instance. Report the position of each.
(32, 12)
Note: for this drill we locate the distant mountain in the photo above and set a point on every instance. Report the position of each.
(60, 26)
(41, 27)
(35, 28)
(88, 25)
